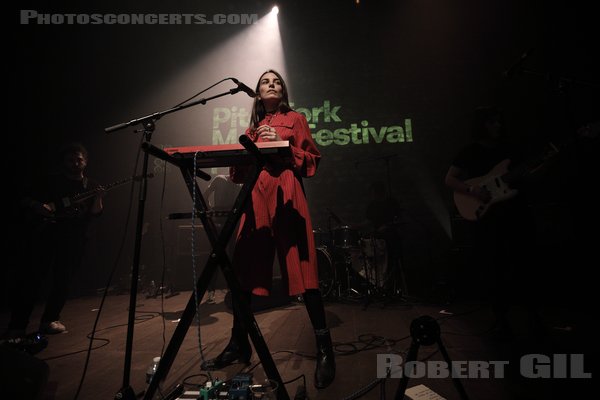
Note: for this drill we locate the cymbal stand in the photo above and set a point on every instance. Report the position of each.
(375, 262)
(369, 274)
(348, 267)
(343, 283)
(351, 292)
(398, 289)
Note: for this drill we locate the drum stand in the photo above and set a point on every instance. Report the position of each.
(371, 273)
(351, 292)
(374, 274)
(348, 270)
(399, 288)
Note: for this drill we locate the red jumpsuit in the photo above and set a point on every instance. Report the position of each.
(277, 217)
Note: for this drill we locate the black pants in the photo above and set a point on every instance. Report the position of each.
(51, 253)
(504, 257)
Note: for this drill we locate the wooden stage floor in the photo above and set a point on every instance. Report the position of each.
(360, 333)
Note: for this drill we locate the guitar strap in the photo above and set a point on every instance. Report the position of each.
(84, 181)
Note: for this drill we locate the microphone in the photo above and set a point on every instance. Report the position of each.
(517, 65)
(244, 88)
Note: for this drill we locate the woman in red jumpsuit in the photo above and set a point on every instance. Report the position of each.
(278, 219)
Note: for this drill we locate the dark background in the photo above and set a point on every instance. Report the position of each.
(382, 61)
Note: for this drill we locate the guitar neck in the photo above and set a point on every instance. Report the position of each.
(68, 202)
(532, 166)
(91, 193)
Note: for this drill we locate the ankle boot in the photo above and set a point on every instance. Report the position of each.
(325, 371)
(237, 350)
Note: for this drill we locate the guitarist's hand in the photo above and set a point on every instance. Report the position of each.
(101, 192)
(97, 205)
(481, 193)
(43, 209)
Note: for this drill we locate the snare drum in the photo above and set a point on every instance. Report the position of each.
(322, 237)
(344, 237)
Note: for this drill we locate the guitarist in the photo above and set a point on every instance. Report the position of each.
(53, 243)
(506, 232)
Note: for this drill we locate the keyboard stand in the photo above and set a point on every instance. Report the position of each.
(218, 257)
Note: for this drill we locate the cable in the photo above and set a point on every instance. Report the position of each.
(164, 263)
(365, 389)
(106, 343)
(195, 286)
(295, 379)
(195, 385)
(141, 319)
(110, 278)
(301, 389)
(366, 341)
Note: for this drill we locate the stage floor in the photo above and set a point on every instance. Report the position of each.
(360, 332)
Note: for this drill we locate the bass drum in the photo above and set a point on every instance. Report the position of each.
(327, 275)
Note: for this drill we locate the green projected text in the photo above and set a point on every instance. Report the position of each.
(230, 122)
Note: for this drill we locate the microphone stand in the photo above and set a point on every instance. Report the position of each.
(148, 122)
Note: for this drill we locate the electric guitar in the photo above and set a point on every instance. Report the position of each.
(68, 206)
(499, 179)
(498, 183)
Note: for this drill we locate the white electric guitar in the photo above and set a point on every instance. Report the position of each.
(498, 183)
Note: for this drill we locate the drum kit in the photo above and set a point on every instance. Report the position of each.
(352, 264)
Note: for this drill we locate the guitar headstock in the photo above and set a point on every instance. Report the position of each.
(550, 151)
(589, 131)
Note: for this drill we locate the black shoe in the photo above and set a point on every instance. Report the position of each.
(325, 370)
(237, 350)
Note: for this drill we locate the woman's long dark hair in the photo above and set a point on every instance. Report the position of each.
(258, 108)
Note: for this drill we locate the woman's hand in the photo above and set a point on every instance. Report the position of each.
(267, 133)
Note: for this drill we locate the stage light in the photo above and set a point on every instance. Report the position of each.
(275, 10)
(245, 55)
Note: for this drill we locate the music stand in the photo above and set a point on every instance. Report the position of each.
(188, 164)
